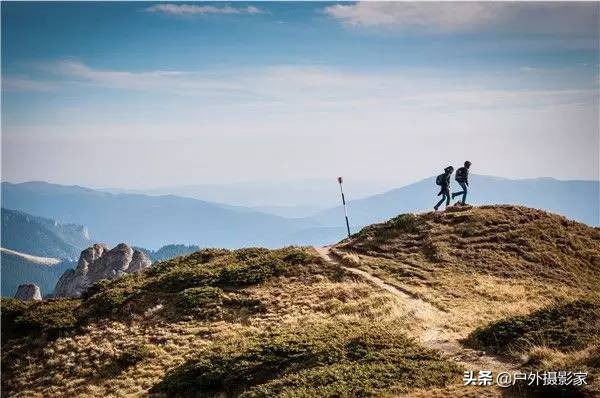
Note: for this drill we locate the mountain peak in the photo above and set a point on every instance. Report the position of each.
(498, 240)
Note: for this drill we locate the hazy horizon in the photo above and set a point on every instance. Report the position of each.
(333, 181)
(147, 95)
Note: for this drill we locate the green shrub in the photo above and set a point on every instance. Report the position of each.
(204, 301)
(251, 272)
(50, 317)
(183, 277)
(105, 303)
(132, 355)
(404, 222)
(377, 233)
(129, 357)
(190, 284)
(201, 297)
(250, 253)
(96, 288)
(566, 327)
(328, 359)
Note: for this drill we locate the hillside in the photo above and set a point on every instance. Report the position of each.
(262, 321)
(400, 309)
(151, 221)
(42, 237)
(465, 252)
(577, 200)
(484, 266)
(18, 268)
(37, 250)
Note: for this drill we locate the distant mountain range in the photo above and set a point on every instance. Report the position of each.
(295, 198)
(43, 237)
(37, 250)
(153, 221)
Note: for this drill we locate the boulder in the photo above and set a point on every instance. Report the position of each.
(97, 263)
(28, 292)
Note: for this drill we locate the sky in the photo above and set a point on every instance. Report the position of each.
(140, 95)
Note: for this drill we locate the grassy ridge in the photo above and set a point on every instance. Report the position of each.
(503, 241)
(191, 285)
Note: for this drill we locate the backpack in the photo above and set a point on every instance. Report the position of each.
(461, 175)
(439, 180)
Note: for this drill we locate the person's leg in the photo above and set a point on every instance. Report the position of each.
(447, 196)
(465, 190)
(437, 206)
(455, 194)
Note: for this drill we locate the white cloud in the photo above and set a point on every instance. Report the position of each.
(315, 88)
(177, 82)
(447, 17)
(189, 9)
(26, 84)
(288, 111)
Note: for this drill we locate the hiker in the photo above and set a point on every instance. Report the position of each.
(443, 180)
(462, 177)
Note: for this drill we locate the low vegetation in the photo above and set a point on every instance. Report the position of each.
(283, 306)
(34, 318)
(195, 282)
(323, 359)
(562, 337)
(565, 327)
(481, 264)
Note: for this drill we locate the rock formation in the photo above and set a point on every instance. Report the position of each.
(28, 291)
(96, 263)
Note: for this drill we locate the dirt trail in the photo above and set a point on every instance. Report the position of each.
(433, 321)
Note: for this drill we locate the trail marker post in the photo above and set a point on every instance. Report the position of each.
(340, 180)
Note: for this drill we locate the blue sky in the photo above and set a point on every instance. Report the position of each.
(149, 94)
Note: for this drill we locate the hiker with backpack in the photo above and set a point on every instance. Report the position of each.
(443, 180)
(462, 177)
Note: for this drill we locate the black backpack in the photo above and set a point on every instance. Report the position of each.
(439, 180)
(461, 175)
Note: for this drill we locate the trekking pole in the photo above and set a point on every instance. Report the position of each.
(344, 205)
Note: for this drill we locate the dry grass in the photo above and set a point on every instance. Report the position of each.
(487, 266)
(481, 264)
(87, 362)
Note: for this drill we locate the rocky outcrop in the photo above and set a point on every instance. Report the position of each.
(97, 263)
(28, 292)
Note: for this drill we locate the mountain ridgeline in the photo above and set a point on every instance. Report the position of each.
(151, 221)
(154, 221)
(42, 237)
